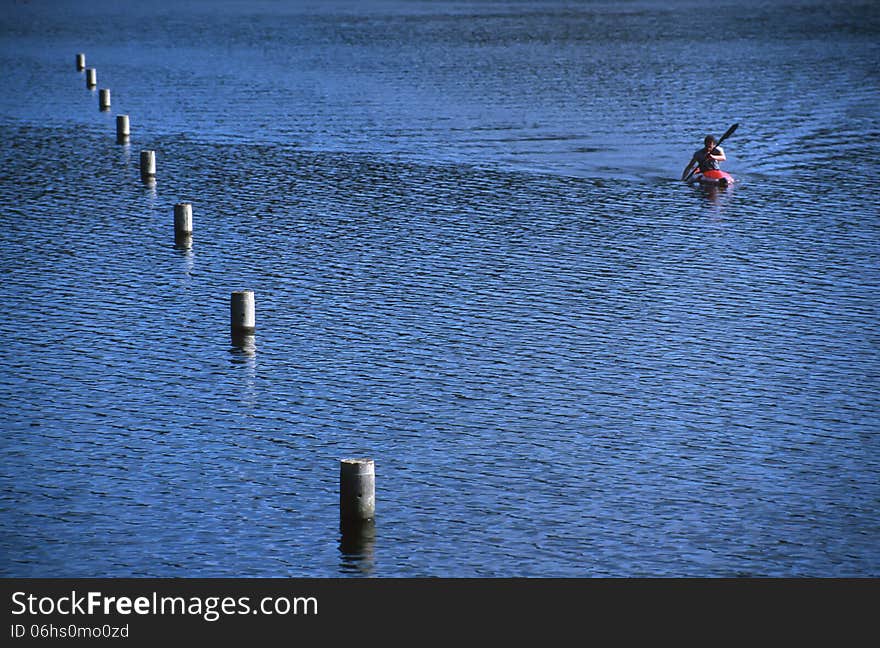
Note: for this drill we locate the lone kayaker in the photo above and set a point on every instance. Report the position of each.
(707, 157)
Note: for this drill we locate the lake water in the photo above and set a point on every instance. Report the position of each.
(473, 262)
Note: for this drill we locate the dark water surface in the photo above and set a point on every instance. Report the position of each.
(473, 262)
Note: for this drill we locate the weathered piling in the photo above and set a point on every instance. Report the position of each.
(183, 226)
(104, 99)
(357, 490)
(91, 78)
(123, 129)
(242, 313)
(183, 218)
(148, 164)
(80, 62)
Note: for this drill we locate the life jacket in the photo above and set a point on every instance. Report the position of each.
(706, 163)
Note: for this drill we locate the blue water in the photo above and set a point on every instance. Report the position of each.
(473, 262)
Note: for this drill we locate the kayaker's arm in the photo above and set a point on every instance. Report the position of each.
(687, 170)
(717, 154)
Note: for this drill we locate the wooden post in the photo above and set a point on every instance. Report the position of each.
(91, 78)
(183, 225)
(80, 62)
(357, 490)
(123, 129)
(183, 218)
(242, 313)
(104, 99)
(148, 164)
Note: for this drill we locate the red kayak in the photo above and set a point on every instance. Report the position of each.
(712, 177)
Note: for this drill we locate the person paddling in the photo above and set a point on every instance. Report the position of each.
(707, 157)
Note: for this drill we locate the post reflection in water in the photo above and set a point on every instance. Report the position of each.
(183, 241)
(244, 354)
(357, 547)
(244, 345)
(189, 258)
(125, 154)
